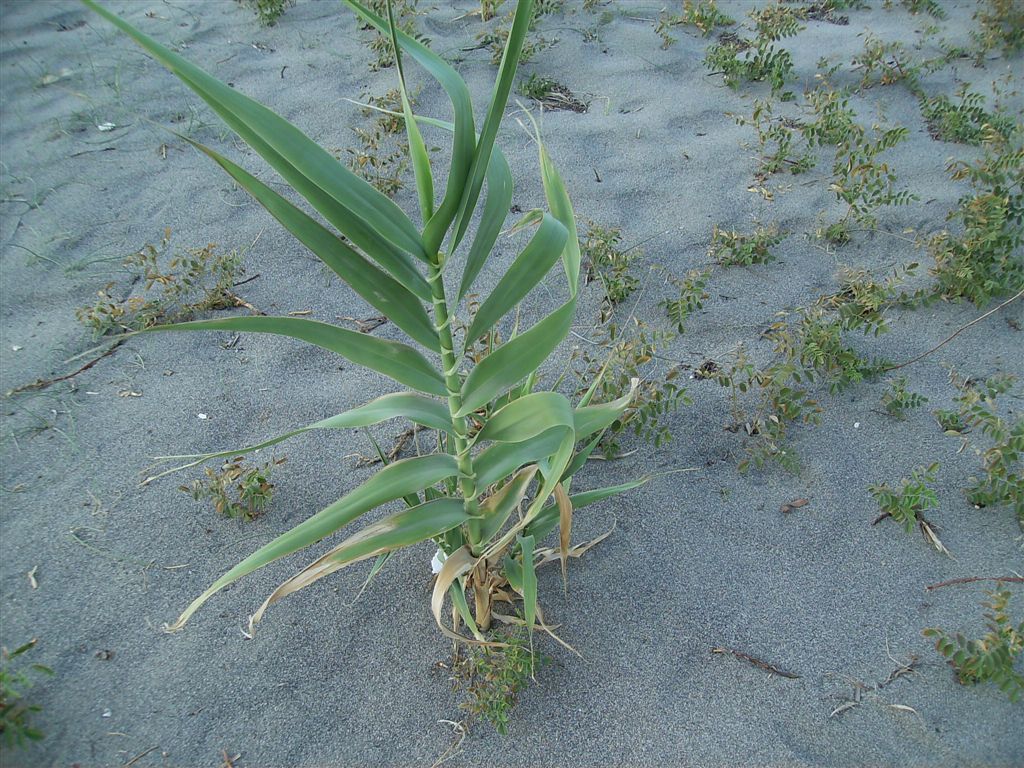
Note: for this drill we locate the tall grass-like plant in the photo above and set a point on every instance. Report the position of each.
(500, 479)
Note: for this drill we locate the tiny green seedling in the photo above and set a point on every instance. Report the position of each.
(703, 15)
(690, 297)
(993, 656)
(269, 11)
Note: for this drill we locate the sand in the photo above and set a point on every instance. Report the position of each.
(699, 560)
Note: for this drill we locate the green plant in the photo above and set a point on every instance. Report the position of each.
(1001, 26)
(405, 13)
(931, 7)
(897, 400)
(1003, 461)
(950, 421)
(15, 680)
(489, 9)
(984, 261)
(492, 677)
(689, 299)
(237, 489)
(605, 261)
(496, 39)
(964, 122)
(550, 93)
(777, 139)
(907, 503)
(835, 119)
(504, 451)
(740, 61)
(704, 15)
(176, 286)
(885, 64)
(730, 248)
(992, 657)
(776, 21)
(382, 158)
(269, 11)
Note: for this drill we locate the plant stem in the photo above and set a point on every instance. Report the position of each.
(450, 366)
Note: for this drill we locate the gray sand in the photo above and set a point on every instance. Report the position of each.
(698, 560)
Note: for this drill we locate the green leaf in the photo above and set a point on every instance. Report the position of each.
(393, 482)
(402, 529)
(496, 207)
(417, 149)
(415, 408)
(526, 271)
(399, 361)
(286, 148)
(561, 209)
(497, 509)
(495, 112)
(376, 287)
(593, 418)
(547, 519)
(516, 359)
(502, 459)
(527, 417)
(464, 142)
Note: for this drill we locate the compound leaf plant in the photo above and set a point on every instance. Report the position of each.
(500, 479)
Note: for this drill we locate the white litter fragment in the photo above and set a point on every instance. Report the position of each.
(438, 562)
(856, 425)
(16, 348)
(106, 127)
(106, 713)
(202, 416)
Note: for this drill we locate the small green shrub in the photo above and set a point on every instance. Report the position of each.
(897, 400)
(993, 656)
(16, 678)
(1002, 462)
(950, 421)
(496, 38)
(268, 11)
(780, 141)
(964, 122)
(176, 286)
(690, 297)
(382, 157)
(741, 61)
(730, 248)
(907, 503)
(1001, 25)
(405, 13)
(777, 21)
(931, 7)
(984, 260)
(704, 15)
(884, 63)
(550, 93)
(604, 260)
(237, 489)
(492, 678)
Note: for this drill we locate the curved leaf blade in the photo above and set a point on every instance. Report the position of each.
(399, 361)
(526, 271)
(527, 417)
(402, 529)
(547, 519)
(378, 288)
(516, 359)
(497, 202)
(393, 482)
(248, 117)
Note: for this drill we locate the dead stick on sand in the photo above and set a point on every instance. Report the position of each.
(139, 756)
(972, 579)
(757, 663)
(44, 383)
(958, 332)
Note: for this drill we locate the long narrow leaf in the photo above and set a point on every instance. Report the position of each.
(402, 529)
(527, 417)
(514, 360)
(248, 117)
(497, 509)
(496, 206)
(547, 519)
(415, 408)
(399, 361)
(526, 271)
(464, 142)
(417, 149)
(502, 459)
(376, 287)
(529, 582)
(495, 112)
(393, 482)
(593, 418)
